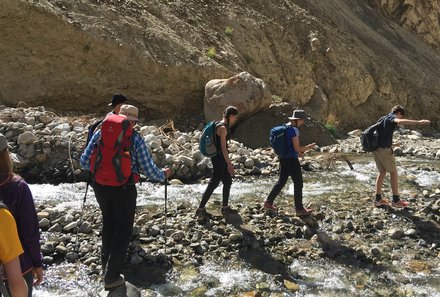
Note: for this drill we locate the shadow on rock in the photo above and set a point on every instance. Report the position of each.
(429, 229)
(252, 251)
(126, 290)
(147, 272)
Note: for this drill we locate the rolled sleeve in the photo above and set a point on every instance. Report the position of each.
(144, 161)
(85, 157)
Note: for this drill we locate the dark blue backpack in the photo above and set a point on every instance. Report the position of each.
(208, 142)
(370, 138)
(277, 140)
(92, 128)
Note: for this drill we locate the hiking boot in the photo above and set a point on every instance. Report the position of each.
(108, 285)
(381, 202)
(228, 210)
(202, 212)
(400, 203)
(304, 211)
(269, 206)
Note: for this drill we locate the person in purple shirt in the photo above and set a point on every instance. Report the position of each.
(291, 166)
(118, 203)
(16, 195)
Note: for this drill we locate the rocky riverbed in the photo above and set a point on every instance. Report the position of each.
(380, 251)
(382, 248)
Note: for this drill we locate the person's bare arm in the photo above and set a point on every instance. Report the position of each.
(16, 282)
(301, 149)
(222, 132)
(411, 122)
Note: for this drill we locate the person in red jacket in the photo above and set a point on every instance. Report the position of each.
(16, 195)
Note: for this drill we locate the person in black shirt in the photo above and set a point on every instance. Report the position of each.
(384, 158)
(223, 170)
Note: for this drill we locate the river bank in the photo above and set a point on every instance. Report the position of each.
(46, 147)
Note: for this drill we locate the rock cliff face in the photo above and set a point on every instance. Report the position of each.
(346, 59)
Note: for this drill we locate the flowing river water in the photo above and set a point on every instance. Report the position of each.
(315, 277)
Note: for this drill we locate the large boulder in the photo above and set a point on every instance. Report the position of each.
(244, 91)
(254, 132)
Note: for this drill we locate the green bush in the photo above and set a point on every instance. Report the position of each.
(212, 52)
(229, 31)
(332, 124)
(276, 99)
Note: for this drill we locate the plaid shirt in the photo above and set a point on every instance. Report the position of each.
(140, 157)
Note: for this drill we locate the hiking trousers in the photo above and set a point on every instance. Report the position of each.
(289, 167)
(220, 173)
(118, 205)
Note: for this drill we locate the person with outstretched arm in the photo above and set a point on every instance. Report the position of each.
(384, 157)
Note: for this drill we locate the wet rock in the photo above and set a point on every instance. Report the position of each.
(127, 290)
(396, 233)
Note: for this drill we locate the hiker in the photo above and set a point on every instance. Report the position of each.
(16, 195)
(116, 197)
(223, 170)
(384, 157)
(10, 250)
(117, 101)
(290, 165)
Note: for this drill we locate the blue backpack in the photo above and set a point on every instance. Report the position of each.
(208, 142)
(277, 140)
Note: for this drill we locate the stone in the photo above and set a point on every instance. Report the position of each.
(127, 290)
(244, 91)
(70, 226)
(44, 223)
(26, 138)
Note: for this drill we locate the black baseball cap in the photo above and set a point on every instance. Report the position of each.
(118, 99)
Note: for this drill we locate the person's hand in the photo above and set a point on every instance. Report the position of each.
(231, 169)
(37, 272)
(425, 122)
(167, 172)
(311, 146)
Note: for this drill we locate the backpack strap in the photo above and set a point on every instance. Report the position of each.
(119, 145)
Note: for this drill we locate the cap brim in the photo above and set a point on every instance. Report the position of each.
(290, 118)
(110, 104)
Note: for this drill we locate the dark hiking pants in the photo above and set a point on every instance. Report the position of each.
(289, 167)
(118, 205)
(220, 173)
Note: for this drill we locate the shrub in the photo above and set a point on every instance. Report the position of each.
(212, 52)
(229, 31)
(332, 124)
(276, 99)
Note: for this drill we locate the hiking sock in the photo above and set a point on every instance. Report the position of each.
(396, 198)
(378, 197)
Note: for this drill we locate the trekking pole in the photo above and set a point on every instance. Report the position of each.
(82, 213)
(166, 212)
